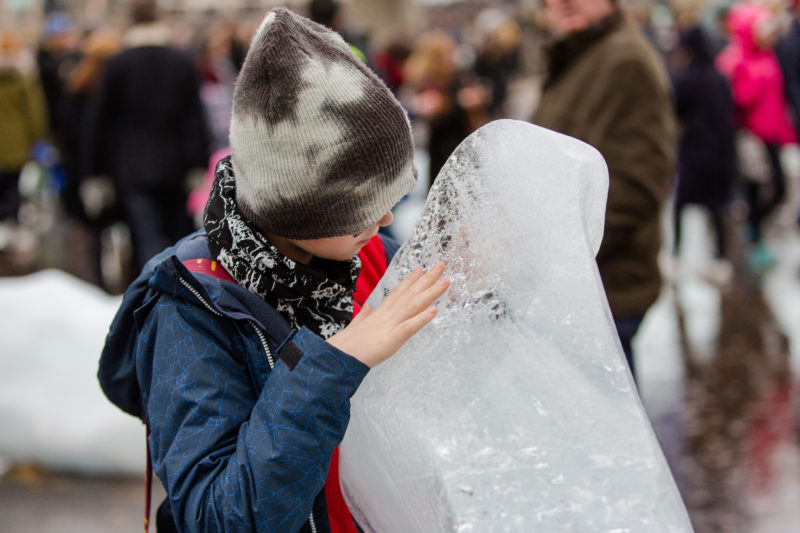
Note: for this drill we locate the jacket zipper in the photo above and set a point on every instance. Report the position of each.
(271, 362)
(198, 296)
(268, 352)
(208, 306)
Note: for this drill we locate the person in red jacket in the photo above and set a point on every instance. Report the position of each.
(761, 109)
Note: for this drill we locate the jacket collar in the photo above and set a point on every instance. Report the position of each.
(565, 51)
(165, 273)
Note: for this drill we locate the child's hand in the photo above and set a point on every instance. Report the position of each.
(374, 336)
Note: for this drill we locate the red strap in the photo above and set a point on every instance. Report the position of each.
(148, 481)
(373, 266)
(208, 267)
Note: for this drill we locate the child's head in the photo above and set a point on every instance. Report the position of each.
(320, 147)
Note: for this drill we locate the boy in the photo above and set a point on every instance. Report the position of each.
(219, 344)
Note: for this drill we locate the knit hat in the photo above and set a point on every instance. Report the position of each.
(320, 147)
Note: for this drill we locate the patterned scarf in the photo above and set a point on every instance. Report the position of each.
(319, 296)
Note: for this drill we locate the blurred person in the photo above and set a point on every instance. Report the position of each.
(56, 57)
(499, 39)
(217, 76)
(243, 33)
(787, 50)
(606, 85)
(753, 71)
(329, 13)
(238, 345)
(450, 107)
(706, 151)
(23, 121)
(147, 132)
(388, 63)
(94, 202)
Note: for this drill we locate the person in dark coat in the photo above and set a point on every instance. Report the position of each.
(788, 51)
(147, 132)
(56, 56)
(607, 86)
(92, 202)
(238, 345)
(706, 153)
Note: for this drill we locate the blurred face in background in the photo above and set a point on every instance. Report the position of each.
(571, 16)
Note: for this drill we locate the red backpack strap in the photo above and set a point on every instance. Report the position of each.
(209, 267)
(373, 266)
(148, 480)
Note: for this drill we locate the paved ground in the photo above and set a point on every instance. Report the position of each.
(40, 502)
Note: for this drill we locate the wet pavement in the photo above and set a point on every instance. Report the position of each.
(724, 403)
(41, 502)
(718, 377)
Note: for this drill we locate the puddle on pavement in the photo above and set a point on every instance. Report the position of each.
(735, 456)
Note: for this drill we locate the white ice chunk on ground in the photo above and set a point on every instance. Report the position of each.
(514, 410)
(52, 410)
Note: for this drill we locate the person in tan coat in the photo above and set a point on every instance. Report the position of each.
(606, 85)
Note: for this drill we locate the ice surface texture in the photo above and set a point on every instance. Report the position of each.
(514, 409)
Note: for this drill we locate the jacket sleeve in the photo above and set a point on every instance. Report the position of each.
(635, 131)
(233, 457)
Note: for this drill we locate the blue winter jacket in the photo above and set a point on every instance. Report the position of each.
(244, 412)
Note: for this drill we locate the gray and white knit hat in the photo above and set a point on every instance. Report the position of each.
(320, 147)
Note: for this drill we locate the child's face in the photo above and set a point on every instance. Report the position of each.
(335, 248)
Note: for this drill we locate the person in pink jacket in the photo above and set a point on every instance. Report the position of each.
(752, 68)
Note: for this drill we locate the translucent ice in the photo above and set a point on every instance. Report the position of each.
(514, 410)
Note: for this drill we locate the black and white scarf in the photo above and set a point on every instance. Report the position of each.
(318, 296)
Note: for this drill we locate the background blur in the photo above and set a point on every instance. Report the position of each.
(718, 353)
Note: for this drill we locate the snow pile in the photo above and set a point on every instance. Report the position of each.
(514, 410)
(52, 411)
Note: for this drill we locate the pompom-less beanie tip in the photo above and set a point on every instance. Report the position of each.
(320, 147)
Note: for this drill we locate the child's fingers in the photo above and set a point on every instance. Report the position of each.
(410, 327)
(429, 295)
(404, 285)
(420, 284)
(416, 304)
(430, 277)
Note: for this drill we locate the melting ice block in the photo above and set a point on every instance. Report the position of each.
(514, 409)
